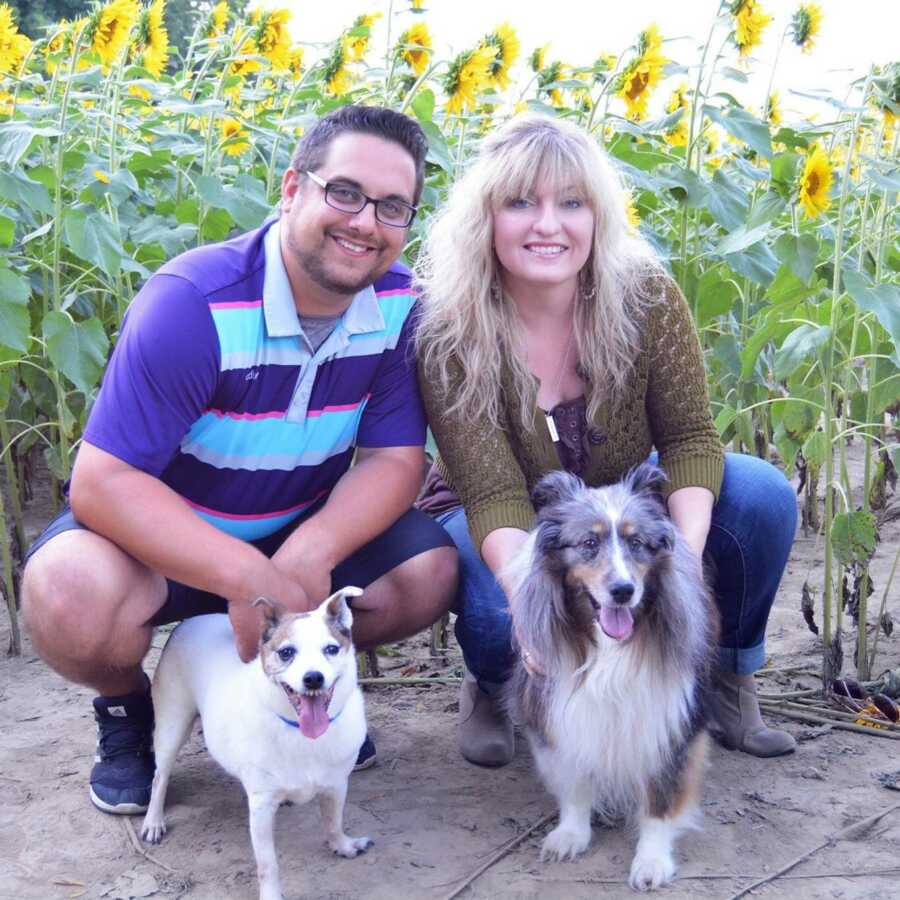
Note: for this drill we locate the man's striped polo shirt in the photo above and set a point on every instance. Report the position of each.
(213, 389)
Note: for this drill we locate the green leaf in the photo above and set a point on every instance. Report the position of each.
(685, 184)
(243, 201)
(881, 299)
(787, 287)
(853, 537)
(7, 231)
(769, 207)
(77, 349)
(716, 295)
(438, 153)
(15, 139)
(744, 126)
(800, 344)
(724, 419)
(784, 168)
(758, 263)
(423, 105)
(798, 253)
(94, 238)
(15, 322)
(727, 202)
(814, 449)
(5, 389)
(742, 238)
(18, 188)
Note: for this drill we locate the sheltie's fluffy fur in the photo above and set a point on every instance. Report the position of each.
(611, 606)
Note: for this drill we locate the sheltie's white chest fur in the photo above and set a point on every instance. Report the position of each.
(616, 722)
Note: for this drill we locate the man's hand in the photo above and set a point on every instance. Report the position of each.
(274, 584)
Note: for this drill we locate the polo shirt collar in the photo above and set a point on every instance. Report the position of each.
(363, 314)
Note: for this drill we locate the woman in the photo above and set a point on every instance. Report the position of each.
(551, 337)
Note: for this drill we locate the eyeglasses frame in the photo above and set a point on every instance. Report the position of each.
(326, 185)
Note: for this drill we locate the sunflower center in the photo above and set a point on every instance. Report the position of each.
(812, 183)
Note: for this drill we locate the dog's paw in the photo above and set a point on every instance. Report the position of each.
(564, 843)
(153, 831)
(649, 872)
(351, 847)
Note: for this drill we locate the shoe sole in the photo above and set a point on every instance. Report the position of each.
(366, 764)
(120, 809)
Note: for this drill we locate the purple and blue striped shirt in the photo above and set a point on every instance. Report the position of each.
(213, 389)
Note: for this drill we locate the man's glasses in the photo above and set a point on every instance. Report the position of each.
(352, 200)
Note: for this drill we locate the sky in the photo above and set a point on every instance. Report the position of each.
(855, 33)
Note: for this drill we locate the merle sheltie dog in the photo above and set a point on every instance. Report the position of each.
(611, 610)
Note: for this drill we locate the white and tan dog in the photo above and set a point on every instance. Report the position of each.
(288, 725)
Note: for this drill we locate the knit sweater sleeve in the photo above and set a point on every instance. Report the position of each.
(677, 400)
(478, 462)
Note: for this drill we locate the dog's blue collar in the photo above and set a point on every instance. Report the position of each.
(295, 724)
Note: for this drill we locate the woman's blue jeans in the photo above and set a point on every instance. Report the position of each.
(753, 525)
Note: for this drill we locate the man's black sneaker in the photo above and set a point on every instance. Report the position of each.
(367, 756)
(123, 767)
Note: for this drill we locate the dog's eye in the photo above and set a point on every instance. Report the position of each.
(590, 543)
(635, 543)
(286, 654)
(331, 650)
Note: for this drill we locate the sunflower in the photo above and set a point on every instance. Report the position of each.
(233, 137)
(538, 58)
(6, 103)
(414, 48)
(772, 112)
(504, 39)
(603, 65)
(109, 27)
(815, 183)
(218, 20)
(101, 176)
(886, 96)
(14, 46)
(417, 6)
(356, 46)
(470, 73)
(295, 62)
(677, 135)
(335, 74)
(151, 45)
(805, 25)
(631, 213)
(642, 74)
(547, 78)
(271, 38)
(749, 24)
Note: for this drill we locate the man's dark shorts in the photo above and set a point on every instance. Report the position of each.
(413, 533)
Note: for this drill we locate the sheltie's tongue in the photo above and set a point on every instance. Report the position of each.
(312, 713)
(617, 622)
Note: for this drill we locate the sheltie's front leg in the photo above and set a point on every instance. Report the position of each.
(671, 803)
(575, 797)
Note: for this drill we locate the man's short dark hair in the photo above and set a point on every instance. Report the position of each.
(376, 120)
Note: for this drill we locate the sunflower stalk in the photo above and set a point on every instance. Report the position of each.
(12, 484)
(15, 637)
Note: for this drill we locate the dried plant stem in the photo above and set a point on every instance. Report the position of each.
(136, 844)
(850, 832)
(409, 682)
(837, 723)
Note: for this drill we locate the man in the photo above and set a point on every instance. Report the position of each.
(216, 463)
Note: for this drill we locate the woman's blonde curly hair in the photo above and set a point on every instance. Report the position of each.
(467, 331)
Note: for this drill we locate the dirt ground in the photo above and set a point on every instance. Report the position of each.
(435, 818)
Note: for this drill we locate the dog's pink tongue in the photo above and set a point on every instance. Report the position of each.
(617, 621)
(312, 716)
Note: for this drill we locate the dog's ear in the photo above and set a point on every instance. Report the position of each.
(555, 487)
(272, 614)
(647, 478)
(338, 610)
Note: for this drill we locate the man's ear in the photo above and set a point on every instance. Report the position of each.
(291, 184)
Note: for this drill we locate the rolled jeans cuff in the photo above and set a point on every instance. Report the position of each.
(742, 660)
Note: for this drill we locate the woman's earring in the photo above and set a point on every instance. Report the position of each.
(586, 286)
(496, 290)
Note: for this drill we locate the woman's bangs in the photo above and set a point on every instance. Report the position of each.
(525, 167)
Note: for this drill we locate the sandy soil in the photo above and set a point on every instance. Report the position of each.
(435, 818)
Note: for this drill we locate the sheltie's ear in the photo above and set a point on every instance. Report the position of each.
(647, 478)
(555, 487)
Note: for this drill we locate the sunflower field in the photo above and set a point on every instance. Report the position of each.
(118, 152)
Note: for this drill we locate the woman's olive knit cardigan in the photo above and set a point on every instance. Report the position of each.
(493, 470)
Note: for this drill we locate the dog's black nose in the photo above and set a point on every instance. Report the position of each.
(621, 591)
(312, 681)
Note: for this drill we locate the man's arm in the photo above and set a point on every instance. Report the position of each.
(148, 520)
(369, 498)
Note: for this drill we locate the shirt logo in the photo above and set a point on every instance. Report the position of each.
(252, 375)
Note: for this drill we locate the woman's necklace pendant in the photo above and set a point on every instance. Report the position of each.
(551, 427)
